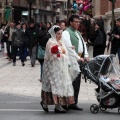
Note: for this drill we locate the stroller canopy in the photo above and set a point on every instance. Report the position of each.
(99, 65)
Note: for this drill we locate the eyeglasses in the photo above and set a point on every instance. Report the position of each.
(76, 21)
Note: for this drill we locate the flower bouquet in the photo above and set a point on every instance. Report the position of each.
(55, 50)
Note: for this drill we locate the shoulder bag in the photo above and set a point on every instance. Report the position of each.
(40, 52)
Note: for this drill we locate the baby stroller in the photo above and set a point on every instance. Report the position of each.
(108, 91)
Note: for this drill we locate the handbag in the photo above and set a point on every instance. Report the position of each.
(40, 52)
(99, 39)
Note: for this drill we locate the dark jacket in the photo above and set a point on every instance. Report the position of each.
(18, 38)
(96, 33)
(43, 37)
(115, 41)
(31, 34)
(4, 38)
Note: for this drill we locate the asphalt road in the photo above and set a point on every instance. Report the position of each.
(19, 107)
(31, 110)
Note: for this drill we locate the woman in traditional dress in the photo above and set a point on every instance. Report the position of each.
(57, 86)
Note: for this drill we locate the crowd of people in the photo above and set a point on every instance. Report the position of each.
(65, 44)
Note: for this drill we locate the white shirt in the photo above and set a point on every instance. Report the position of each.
(80, 45)
(67, 42)
(11, 31)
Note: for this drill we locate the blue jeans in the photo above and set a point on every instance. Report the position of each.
(14, 53)
(25, 52)
(41, 68)
(41, 71)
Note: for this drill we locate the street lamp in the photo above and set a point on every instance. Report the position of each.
(113, 16)
(30, 2)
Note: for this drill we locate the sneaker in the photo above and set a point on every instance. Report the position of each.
(14, 63)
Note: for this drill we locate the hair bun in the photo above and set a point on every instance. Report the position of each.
(57, 29)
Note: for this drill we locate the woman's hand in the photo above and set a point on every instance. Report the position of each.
(87, 59)
(81, 60)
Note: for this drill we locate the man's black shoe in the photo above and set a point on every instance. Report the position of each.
(59, 111)
(75, 107)
(32, 65)
(23, 64)
(45, 109)
(65, 107)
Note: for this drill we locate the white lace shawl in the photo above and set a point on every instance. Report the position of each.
(73, 66)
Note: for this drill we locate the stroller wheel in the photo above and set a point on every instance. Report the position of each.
(118, 110)
(94, 109)
(102, 108)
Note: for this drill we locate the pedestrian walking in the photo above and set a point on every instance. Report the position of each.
(31, 33)
(18, 42)
(57, 86)
(2, 30)
(8, 34)
(25, 52)
(77, 49)
(42, 38)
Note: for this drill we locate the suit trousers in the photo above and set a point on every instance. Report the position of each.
(76, 86)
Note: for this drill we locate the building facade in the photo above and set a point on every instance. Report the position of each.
(104, 8)
(41, 11)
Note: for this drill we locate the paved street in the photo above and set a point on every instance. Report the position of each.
(20, 96)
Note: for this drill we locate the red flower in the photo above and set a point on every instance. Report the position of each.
(55, 50)
(58, 55)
